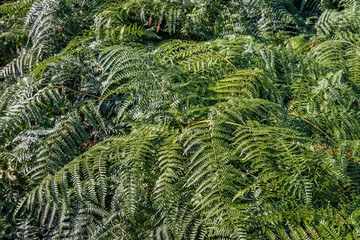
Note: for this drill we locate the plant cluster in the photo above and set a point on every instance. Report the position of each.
(180, 119)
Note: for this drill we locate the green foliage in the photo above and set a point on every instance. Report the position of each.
(191, 119)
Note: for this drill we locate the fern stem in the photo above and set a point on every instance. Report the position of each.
(312, 125)
(206, 121)
(73, 90)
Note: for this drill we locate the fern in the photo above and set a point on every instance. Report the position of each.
(179, 119)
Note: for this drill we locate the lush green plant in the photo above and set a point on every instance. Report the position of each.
(180, 119)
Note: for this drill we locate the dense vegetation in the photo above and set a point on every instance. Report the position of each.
(180, 119)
